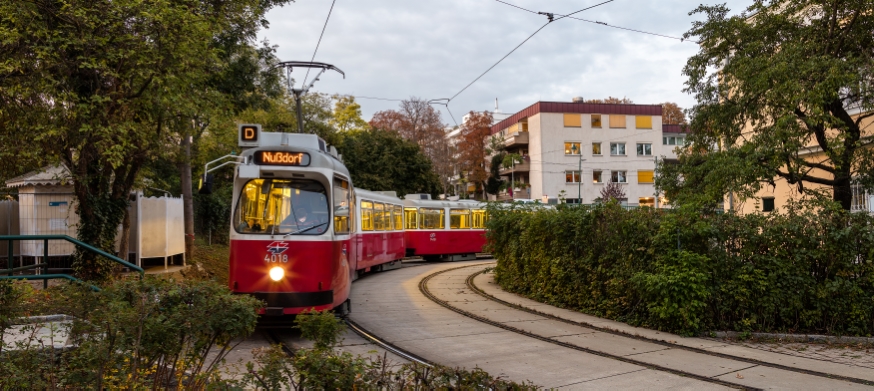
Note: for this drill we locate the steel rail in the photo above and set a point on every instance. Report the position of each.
(477, 290)
(386, 345)
(423, 287)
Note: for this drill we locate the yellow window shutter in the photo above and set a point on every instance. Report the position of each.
(573, 121)
(643, 122)
(512, 129)
(617, 121)
(644, 176)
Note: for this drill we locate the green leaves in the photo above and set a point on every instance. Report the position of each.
(686, 271)
(383, 160)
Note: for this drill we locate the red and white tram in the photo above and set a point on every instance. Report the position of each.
(300, 232)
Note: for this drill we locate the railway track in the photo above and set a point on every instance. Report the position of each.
(423, 287)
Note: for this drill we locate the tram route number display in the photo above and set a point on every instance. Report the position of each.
(282, 158)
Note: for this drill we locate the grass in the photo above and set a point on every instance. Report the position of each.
(212, 259)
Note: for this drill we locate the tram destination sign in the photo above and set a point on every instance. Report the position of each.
(282, 158)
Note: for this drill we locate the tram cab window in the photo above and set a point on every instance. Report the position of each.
(410, 214)
(398, 215)
(366, 216)
(342, 202)
(479, 218)
(282, 206)
(459, 218)
(379, 216)
(432, 218)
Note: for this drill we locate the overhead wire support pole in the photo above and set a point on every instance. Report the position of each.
(445, 103)
(289, 67)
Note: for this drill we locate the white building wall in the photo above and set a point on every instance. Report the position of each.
(535, 154)
(549, 162)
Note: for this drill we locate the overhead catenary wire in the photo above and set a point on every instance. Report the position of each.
(681, 39)
(320, 40)
(550, 16)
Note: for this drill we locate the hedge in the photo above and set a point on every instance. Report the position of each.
(799, 271)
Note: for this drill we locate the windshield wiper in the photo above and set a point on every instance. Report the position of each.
(306, 229)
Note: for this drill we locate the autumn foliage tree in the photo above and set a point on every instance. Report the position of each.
(418, 121)
(472, 147)
(672, 114)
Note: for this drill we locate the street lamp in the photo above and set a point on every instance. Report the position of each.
(574, 149)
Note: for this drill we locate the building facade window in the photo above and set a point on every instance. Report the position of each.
(572, 148)
(617, 121)
(644, 149)
(767, 204)
(646, 201)
(572, 176)
(573, 121)
(673, 140)
(618, 176)
(596, 120)
(596, 177)
(617, 148)
(645, 176)
(596, 148)
(643, 122)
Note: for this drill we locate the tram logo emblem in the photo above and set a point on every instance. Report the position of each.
(277, 248)
(433, 237)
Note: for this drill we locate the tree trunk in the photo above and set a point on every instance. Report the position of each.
(842, 192)
(124, 242)
(187, 200)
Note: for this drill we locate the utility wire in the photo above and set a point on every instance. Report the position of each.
(499, 61)
(550, 16)
(597, 22)
(320, 41)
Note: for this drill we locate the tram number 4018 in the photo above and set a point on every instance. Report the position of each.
(276, 258)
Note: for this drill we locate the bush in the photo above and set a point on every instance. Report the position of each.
(323, 368)
(804, 270)
(136, 334)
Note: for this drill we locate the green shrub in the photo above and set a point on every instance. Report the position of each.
(803, 270)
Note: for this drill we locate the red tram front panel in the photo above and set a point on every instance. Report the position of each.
(316, 273)
(444, 242)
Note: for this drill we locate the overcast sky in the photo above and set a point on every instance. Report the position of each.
(431, 49)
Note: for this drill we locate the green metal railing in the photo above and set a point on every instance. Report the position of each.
(10, 239)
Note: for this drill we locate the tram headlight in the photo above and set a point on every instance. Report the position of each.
(277, 273)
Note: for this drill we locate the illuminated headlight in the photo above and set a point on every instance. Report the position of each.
(277, 273)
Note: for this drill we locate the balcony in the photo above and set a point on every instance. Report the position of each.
(525, 166)
(516, 140)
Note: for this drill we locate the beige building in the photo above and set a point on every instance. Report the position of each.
(572, 149)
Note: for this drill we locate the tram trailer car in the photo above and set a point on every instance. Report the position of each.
(444, 230)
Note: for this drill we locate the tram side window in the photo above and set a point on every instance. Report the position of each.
(379, 217)
(459, 218)
(432, 218)
(366, 216)
(342, 200)
(398, 215)
(479, 218)
(412, 219)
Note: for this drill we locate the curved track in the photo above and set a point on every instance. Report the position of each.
(766, 372)
(423, 287)
(473, 287)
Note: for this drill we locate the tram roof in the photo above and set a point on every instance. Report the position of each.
(321, 155)
(378, 196)
(464, 204)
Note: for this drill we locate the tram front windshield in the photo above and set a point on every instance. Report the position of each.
(282, 207)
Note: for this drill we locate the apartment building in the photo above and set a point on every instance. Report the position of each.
(571, 150)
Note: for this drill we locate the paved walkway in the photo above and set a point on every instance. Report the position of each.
(391, 305)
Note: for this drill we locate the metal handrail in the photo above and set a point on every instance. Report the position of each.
(12, 238)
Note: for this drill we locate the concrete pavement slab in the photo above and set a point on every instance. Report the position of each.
(775, 379)
(644, 379)
(691, 362)
(610, 343)
(797, 362)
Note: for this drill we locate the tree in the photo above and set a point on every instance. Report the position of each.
(347, 114)
(93, 85)
(611, 100)
(418, 121)
(382, 160)
(672, 114)
(473, 149)
(776, 88)
(494, 183)
(612, 191)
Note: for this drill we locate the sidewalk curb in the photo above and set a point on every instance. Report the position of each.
(789, 337)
